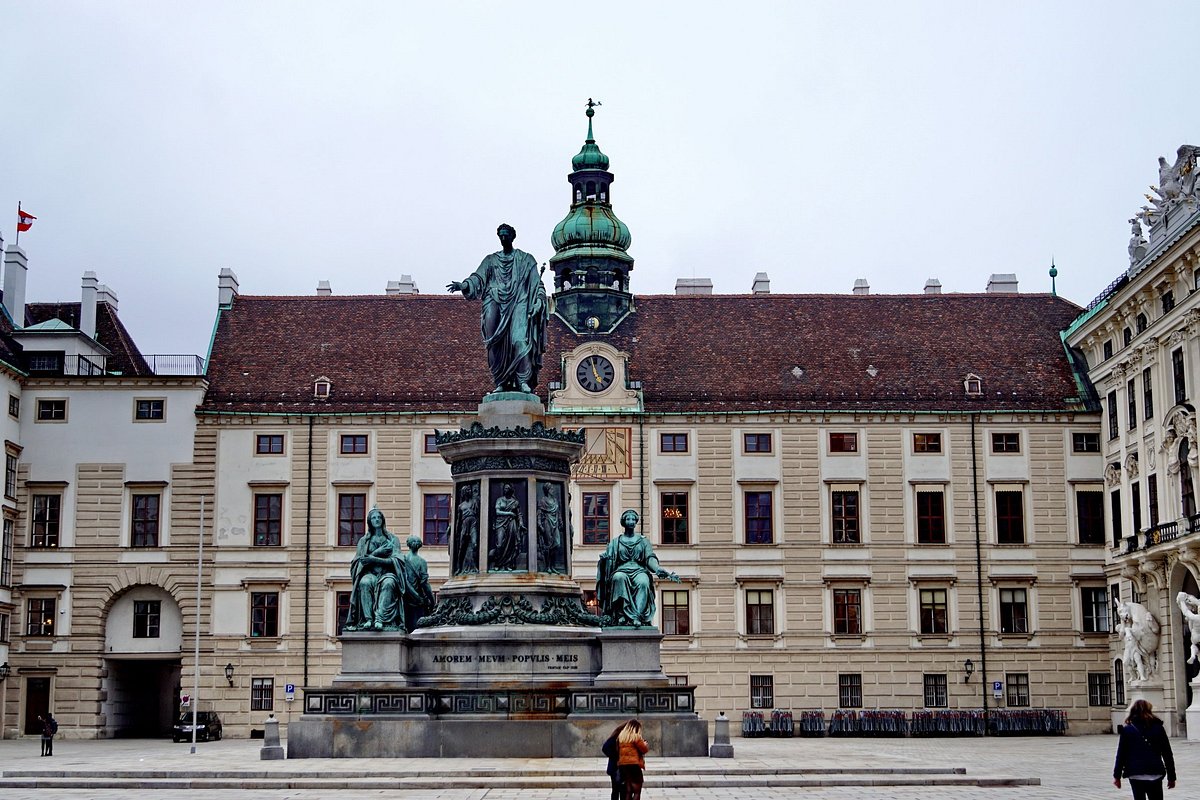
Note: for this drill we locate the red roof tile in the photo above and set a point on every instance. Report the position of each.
(693, 353)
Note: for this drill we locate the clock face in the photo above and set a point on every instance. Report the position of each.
(595, 373)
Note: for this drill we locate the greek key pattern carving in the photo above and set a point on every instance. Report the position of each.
(563, 703)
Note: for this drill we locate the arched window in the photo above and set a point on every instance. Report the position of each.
(1127, 336)
(1142, 323)
(1187, 492)
(591, 188)
(1119, 680)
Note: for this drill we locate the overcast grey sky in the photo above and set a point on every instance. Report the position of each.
(353, 142)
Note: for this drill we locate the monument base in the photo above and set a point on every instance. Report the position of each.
(1192, 714)
(1154, 695)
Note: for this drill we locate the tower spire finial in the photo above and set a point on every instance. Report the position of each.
(591, 106)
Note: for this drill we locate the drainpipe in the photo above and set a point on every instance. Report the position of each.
(642, 468)
(308, 544)
(983, 673)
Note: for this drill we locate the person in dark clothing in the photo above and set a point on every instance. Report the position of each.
(49, 728)
(612, 749)
(1144, 754)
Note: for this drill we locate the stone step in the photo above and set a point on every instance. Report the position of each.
(472, 772)
(777, 778)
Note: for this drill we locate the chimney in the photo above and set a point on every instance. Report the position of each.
(16, 269)
(933, 286)
(323, 289)
(227, 287)
(406, 285)
(1002, 283)
(761, 285)
(87, 305)
(861, 286)
(107, 296)
(693, 286)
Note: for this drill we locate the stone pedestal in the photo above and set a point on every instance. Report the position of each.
(374, 657)
(271, 749)
(631, 656)
(1192, 715)
(721, 746)
(1152, 692)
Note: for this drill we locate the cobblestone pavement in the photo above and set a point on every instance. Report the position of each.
(1070, 768)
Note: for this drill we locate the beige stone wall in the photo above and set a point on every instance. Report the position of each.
(802, 656)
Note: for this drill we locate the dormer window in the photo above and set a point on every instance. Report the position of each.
(321, 388)
(973, 385)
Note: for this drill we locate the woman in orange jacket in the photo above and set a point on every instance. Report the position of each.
(631, 759)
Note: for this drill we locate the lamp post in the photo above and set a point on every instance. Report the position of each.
(229, 673)
(968, 670)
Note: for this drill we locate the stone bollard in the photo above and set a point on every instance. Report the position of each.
(721, 748)
(271, 749)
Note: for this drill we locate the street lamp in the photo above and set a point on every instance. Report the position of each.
(4, 670)
(968, 670)
(229, 673)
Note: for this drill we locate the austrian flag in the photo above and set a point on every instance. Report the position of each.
(24, 220)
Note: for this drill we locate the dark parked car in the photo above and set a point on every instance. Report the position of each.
(208, 727)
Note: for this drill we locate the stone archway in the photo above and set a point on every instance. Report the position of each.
(1183, 579)
(143, 636)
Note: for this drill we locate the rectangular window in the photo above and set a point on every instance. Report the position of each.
(1108, 349)
(1085, 442)
(1179, 376)
(673, 442)
(39, 616)
(756, 442)
(760, 612)
(936, 695)
(674, 517)
(1135, 505)
(1168, 301)
(1119, 684)
(1152, 498)
(1018, 689)
(758, 518)
(595, 518)
(6, 553)
(10, 475)
(843, 442)
(47, 511)
(144, 410)
(144, 508)
(1114, 603)
(1131, 400)
(352, 518)
(1010, 516)
(14, 406)
(430, 443)
(1147, 394)
(1114, 424)
(264, 614)
(762, 691)
(847, 612)
(146, 617)
(4, 633)
(262, 694)
(844, 521)
(341, 610)
(931, 516)
(927, 443)
(1089, 509)
(1006, 442)
(935, 618)
(1115, 505)
(269, 444)
(1014, 611)
(353, 444)
(436, 519)
(1099, 689)
(676, 616)
(268, 520)
(850, 690)
(51, 410)
(1094, 600)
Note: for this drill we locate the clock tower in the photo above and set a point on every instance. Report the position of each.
(590, 262)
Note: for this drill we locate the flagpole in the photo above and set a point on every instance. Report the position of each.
(17, 243)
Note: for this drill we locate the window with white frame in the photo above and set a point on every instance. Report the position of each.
(760, 612)
(676, 612)
(936, 690)
(1094, 606)
(762, 691)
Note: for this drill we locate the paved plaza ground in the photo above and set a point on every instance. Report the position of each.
(1068, 767)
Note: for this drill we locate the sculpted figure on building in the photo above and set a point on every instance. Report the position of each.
(378, 574)
(466, 530)
(418, 594)
(515, 309)
(508, 533)
(1139, 631)
(625, 578)
(1189, 607)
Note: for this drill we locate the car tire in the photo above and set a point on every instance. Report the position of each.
(219, 735)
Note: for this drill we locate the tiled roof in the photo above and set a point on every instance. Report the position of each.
(110, 332)
(702, 353)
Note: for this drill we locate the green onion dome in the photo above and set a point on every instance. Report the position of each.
(591, 226)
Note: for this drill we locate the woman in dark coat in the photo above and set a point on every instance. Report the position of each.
(612, 749)
(1144, 754)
